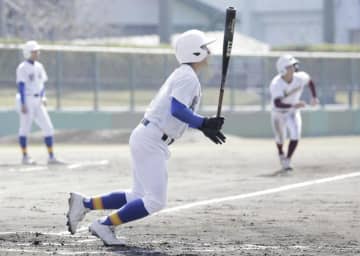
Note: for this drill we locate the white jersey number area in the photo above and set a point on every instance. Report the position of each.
(32, 75)
(183, 85)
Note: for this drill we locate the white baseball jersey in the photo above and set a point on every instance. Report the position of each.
(149, 152)
(183, 85)
(290, 93)
(286, 122)
(33, 75)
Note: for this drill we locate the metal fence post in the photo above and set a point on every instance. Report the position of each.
(96, 81)
(263, 87)
(322, 84)
(350, 95)
(353, 81)
(132, 83)
(59, 81)
(263, 100)
(166, 65)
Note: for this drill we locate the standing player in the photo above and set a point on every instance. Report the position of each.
(286, 89)
(166, 119)
(31, 101)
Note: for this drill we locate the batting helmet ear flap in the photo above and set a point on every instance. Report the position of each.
(190, 47)
(283, 71)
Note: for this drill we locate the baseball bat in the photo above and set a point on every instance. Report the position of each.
(227, 46)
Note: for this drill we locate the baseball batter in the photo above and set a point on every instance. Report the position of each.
(286, 89)
(30, 101)
(166, 119)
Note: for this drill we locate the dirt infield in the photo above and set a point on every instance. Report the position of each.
(293, 213)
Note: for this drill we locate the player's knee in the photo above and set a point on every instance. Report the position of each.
(153, 205)
(132, 195)
(49, 132)
(279, 140)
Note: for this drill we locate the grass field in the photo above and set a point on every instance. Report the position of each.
(253, 210)
(125, 98)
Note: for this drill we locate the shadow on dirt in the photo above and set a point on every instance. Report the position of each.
(134, 250)
(278, 173)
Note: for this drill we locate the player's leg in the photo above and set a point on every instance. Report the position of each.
(25, 123)
(155, 184)
(113, 200)
(149, 159)
(43, 120)
(116, 200)
(278, 124)
(153, 201)
(79, 204)
(294, 124)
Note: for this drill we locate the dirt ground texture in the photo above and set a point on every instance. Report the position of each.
(319, 219)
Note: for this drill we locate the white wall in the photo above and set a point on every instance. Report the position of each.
(184, 15)
(129, 12)
(347, 18)
(283, 22)
(289, 28)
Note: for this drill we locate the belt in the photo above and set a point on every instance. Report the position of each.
(164, 137)
(281, 111)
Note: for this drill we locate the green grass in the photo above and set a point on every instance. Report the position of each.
(320, 48)
(122, 98)
(343, 98)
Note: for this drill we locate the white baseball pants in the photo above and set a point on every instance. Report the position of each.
(284, 123)
(37, 112)
(149, 155)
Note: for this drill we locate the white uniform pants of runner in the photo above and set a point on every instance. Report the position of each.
(286, 122)
(35, 112)
(149, 155)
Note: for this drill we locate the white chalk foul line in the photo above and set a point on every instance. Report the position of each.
(29, 169)
(262, 192)
(248, 195)
(85, 164)
(232, 198)
(57, 252)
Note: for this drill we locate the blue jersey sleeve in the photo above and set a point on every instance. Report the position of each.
(21, 89)
(42, 93)
(183, 113)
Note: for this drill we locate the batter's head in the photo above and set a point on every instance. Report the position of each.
(191, 46)
(284, 62)
(29, 47)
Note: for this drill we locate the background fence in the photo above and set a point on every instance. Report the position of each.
(126, 80)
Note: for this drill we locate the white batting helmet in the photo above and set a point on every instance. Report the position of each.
(29, 47)
(285, 61)
(190, 47)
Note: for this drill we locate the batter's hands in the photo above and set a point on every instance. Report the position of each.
(211, 128)
(214, 135)
(24, 109)
(213, 122)
(300, 104)
(314, 102)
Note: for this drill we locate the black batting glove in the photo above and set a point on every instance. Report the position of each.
(213, 123)
(211, 128)
(214, 135)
